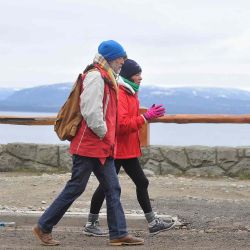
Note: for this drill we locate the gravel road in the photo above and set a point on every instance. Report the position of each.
(217, 210)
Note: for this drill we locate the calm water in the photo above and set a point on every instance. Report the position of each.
(160, 134)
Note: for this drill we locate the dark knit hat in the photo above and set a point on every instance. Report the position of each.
(111, 50)
(130, 68)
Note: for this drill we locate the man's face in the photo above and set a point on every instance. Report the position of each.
(116, 64)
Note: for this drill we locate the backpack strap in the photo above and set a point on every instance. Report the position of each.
(103, 73)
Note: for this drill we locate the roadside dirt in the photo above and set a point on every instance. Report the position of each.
(218, 211)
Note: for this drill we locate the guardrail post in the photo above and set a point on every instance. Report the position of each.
(144, 131)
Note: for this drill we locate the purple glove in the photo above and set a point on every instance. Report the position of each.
(154, 112)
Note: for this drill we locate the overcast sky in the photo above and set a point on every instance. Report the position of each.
(176, 42)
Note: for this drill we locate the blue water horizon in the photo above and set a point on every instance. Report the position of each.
(228, 135)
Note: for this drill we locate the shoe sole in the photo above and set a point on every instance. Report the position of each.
(125, 244)
(163, 230)
(95, 235)
(42, 243)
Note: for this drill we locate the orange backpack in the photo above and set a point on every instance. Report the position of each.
(69, 117)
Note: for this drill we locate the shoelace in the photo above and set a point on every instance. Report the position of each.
(96, 223)
(158, 220)
(48, 237)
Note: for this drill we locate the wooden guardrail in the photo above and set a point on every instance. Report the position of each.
(28, 120)
(187, 118)
(144, 132)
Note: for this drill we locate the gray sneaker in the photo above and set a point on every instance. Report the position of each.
(159, 225)
(167, 220)
(94, 229)
(177, 222)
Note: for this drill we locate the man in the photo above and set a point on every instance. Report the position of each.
(93, 148)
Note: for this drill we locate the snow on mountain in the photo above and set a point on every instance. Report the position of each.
(181, 100)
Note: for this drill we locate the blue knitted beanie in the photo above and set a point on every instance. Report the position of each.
(111, 50)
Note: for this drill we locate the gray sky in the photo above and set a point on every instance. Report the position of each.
(177, 42)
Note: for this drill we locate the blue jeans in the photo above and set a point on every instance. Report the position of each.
(108, 179)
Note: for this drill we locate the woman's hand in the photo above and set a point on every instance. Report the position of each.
(154, 112)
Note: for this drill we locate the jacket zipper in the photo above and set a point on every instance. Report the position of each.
(81, 138)
(105, 107)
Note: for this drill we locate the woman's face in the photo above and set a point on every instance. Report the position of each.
(137, 78)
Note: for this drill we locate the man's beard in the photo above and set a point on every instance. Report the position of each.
(118, 71)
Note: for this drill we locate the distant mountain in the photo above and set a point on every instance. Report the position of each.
(5, 92)
(46, 98)
(197, 100)
(49, 98)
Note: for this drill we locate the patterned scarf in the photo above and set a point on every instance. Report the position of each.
(132, 84)
(100, 60)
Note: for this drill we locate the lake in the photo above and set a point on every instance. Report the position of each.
(160, 133)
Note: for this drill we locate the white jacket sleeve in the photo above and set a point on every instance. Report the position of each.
(91, 103)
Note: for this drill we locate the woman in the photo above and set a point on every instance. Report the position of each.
(127, 150)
